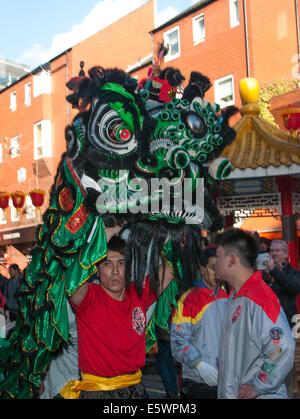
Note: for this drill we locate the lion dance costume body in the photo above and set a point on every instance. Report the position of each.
(123, 137)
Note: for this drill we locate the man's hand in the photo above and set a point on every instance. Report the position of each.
(269, 263)
(246, 391)
(165, 275)
(208, 374)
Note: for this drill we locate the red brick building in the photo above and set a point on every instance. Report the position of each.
(232, 39)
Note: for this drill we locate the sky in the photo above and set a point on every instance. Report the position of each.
(34, 31)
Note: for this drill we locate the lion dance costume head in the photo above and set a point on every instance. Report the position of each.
(143, 154)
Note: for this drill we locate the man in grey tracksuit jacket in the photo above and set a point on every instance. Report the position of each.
(256, 343)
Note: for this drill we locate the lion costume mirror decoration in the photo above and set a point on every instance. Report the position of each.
(123, 137)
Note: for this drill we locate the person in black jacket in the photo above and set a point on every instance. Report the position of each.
(285, 282)
(283, 278)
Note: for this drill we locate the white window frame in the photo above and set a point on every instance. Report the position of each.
(3, 219)
(13, 101)
(29, 207)
(1, 153)
(22, 174)
(43, 145)
(14, 215)
(198, 37)
(14, 147)
(166, 34)
(42, 83)
(234, 9)
(27, 101)
(218, 98)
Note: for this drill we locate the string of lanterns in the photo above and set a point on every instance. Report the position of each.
(18, 199)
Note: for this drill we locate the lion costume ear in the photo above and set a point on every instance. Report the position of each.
(198, 85)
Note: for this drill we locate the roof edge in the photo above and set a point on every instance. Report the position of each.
(183, 14)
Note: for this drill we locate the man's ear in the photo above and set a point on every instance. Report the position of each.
(232, 260)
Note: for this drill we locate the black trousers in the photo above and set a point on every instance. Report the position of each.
(192, 390)
(137, 391)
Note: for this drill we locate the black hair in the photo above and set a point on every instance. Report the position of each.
(242, 244)
(265, 240)
(210, 252)
(116, 244)
(15, 266)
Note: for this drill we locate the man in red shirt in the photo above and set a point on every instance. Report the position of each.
(111, 320)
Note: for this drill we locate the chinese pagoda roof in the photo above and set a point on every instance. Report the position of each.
(259, 144)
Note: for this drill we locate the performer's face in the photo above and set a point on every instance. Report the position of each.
(222, 263)
(208, 273)
(112, 275)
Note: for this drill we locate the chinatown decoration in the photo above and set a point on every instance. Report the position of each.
(4, 200)
(18, 199)
(37, 197)
(291, 119)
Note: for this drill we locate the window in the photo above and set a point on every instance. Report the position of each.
(224, 91)
(29, 208)
(22, 174)
(27, 94)
(2, 217)
(42, 139)
(14, 215)
(14, 147)
(42, 83)
(198, 29)
(234, 13)
(172, 39)
(13, 102)
(1, 153)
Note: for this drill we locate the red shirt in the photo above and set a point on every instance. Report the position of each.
(111, 333)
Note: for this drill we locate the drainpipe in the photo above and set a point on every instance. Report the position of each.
(246, 38)
(67, 76)
(298, 32)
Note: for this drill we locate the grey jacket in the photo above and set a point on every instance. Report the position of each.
(196, 329)
(256, 344)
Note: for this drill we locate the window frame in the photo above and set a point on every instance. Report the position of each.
(27, 99)
(195, 22)
(218, 100)
(15, 154)
(42, 83)
(3, 218)
(46, 139)
(170, 57)
(232, 11)
(28, 204)
(13, 102)
(14, 214)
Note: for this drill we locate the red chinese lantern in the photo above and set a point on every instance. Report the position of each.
(37, 197)
(4, 200)
(291, 118)
(18, 199)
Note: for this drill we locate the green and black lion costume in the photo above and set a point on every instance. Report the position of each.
(129, 148)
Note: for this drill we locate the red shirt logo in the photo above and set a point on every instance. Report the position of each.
(236, 314)
(138, 320)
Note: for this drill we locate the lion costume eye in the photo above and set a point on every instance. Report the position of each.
(120, 132)
(195, 123)
(109, 133)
